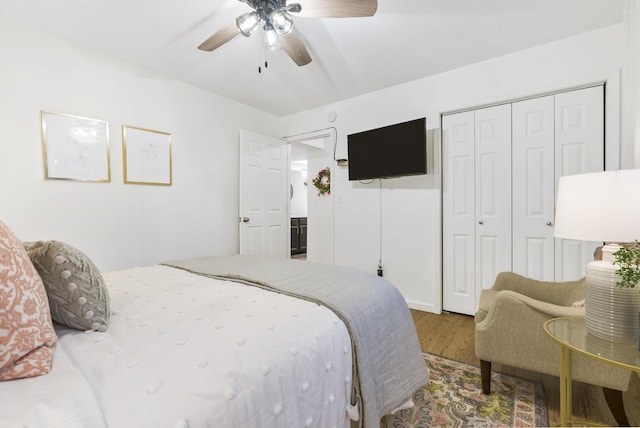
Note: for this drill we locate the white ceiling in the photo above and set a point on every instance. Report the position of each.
(404, 41)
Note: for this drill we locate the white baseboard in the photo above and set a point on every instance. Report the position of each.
(422, 306)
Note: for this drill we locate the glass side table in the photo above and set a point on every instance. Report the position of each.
(571, 334)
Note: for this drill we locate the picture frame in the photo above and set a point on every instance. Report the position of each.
(146, 156)
(75, 148)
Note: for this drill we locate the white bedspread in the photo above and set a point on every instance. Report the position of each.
(183, 350)
(60, 399)
(389, 367)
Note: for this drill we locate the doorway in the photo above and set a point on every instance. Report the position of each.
(298, 208)
(308, 154)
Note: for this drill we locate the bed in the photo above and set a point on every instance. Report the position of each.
(234, 341)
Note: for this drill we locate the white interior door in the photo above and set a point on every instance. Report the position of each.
(458, 209)
(579, 132)
(533, 188)
(493, 195)
(264, 196)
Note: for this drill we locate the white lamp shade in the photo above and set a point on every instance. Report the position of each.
(600, 206)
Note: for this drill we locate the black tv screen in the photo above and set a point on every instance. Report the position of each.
(390, 151)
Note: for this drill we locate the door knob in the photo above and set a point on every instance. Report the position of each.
(549, 223)
(245, 219)
(481, 222)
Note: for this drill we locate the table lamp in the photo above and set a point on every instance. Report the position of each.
(605, 207)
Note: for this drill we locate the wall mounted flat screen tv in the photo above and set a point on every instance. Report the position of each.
(390, 151)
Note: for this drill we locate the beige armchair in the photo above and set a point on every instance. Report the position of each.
(509, 330)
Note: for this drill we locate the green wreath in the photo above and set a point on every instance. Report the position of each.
(323, 182)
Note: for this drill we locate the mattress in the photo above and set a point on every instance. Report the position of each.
(183, 350)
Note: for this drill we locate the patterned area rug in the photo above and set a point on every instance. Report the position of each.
(454, 398)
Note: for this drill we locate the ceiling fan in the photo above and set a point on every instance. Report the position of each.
(275, 18)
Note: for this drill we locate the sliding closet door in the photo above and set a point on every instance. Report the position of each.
(579, 133)
(458, 205)
(533, 188)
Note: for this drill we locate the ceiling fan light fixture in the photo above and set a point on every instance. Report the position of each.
(293, 7)
(247, 23)
(272, 43)
(281, 21)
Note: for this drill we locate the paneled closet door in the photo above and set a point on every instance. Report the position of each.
(476, 204)
(533, 188)
(501, 167)
(458, 207)
(493, 194)
(579, 133)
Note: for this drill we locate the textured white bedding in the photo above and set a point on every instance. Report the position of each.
(183, 350)
(388, 363)
(60, 399)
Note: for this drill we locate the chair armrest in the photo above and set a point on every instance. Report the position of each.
(563, 293)
(509, 316)
(549, 309)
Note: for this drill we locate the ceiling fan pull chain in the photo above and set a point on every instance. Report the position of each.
(266, 62)
(266, 53)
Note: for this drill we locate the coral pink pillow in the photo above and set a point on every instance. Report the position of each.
(27, 337)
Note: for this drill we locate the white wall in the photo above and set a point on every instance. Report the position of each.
(298, 203)
(126, 225)
(320, 212)
(631, 85)
(411, 223)
(118, 225)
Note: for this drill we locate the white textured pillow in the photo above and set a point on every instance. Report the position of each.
(78, 296)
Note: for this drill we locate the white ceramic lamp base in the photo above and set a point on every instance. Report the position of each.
(611, 312)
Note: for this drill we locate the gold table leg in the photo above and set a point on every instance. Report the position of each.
(565, 386)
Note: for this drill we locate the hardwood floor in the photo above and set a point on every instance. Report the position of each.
(452, 336)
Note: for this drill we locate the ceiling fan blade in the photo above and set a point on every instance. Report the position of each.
(220, 37)
(295, 48)
(337, 8)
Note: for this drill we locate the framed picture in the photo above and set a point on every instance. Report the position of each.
(75, 148)
(146, 156)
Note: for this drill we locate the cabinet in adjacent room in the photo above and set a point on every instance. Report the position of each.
(298, 235)
(501, 166)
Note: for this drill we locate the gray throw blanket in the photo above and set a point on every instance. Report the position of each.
(388, 367)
